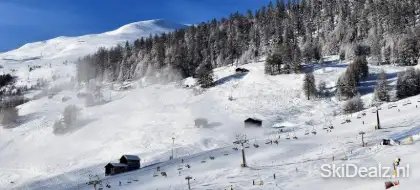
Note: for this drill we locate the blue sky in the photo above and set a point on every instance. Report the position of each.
(23, 21)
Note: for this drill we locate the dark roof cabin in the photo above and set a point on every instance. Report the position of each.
(241, 70)
(132, 162)
(253, 122)
(115, 168)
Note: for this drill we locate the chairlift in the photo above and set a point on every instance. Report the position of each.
(212, 157)
(306, 132)
(235, 148)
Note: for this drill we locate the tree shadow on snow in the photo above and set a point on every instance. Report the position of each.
(20, 120)
(317, 66)
(367, 85)
(62, 129)
(226, 79)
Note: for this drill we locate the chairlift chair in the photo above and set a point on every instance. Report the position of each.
(288, 136)
(306, 132)
(314, 131)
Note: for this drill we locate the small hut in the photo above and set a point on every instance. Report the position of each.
(253, 122)
(241, 70)
(132, 162)
(115, 168)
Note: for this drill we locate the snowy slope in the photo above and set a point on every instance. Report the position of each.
(70, 48)
(55, 58)
(142, 121)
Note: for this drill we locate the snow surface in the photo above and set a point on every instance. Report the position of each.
(143, 120)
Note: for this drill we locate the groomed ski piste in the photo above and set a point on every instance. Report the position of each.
(143, 119)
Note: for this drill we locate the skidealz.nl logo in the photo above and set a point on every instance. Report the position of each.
(352, 171)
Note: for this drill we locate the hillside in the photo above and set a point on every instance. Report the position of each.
(142, 120)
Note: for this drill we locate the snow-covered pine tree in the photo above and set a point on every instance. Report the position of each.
(309, 87)
(354, 104)
(205, 75)
(382, 88)
(408, 83)
(322, 89)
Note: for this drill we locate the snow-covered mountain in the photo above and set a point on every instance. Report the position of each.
(70, 48)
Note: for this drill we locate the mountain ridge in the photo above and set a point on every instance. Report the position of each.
(71, 47)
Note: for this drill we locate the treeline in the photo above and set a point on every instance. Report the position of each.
(289, 33)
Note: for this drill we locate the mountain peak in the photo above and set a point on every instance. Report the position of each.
(147, 25)
(71, 48)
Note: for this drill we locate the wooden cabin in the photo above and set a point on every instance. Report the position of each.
(241, 70)
(132, 162)
(253, 122)
(115, 168)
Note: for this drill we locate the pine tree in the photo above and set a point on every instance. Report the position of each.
(205, 75)
(309, 87)
(354, 104)
(381, 88)
(273, 64)
(346, 87)
(322, 89)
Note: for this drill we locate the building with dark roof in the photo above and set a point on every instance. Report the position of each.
(115, 168)
(253, 122)
(132, 162)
